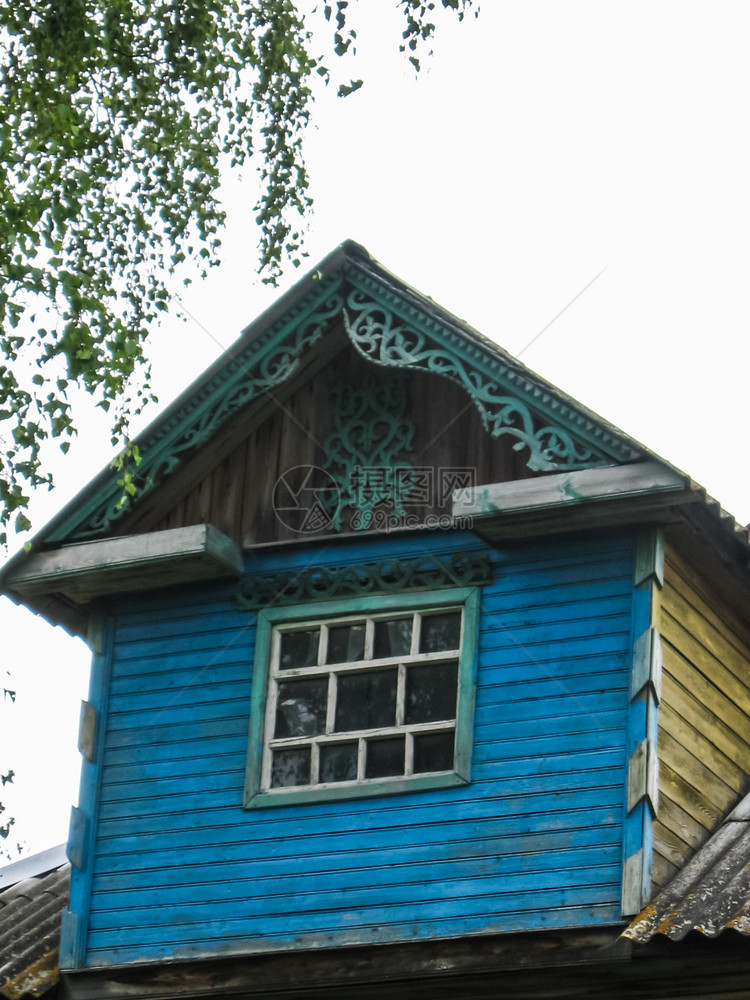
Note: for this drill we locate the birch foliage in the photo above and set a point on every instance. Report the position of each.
(116, 120)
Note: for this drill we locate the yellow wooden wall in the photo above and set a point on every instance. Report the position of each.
(704, 718)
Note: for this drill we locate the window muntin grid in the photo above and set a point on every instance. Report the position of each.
(360, 698)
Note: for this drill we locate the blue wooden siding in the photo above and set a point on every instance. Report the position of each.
(534, 841)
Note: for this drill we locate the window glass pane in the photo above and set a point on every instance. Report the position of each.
(346, 643)
(440, 632)
(385, 757)
(366, 700)
(393, 637)
(433, 752)
(301, 708)
(299, 649)
(290, 767)
(338, 761)
(431, 692)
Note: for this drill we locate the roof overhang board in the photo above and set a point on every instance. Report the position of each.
(139, 562)
(587, 498)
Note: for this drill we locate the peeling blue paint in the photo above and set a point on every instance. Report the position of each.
(535, 840)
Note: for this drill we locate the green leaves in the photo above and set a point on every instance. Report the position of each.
(116, 120)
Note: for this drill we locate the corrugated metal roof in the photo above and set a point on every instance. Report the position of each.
(711, 893)
(30, 924)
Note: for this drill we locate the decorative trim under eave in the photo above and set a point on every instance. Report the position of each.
(266, 362)
(466, 569)
(379, 338)
(480, 355)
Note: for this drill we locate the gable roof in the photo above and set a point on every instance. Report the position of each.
(391, 325)
(348, 299)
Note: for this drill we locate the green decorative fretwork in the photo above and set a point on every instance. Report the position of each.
(363, 452)
(267, 362)
(463, 569)
(379, 337)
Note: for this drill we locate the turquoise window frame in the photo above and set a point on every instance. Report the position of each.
(256, 797)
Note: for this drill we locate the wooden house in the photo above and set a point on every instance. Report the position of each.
(409, 672)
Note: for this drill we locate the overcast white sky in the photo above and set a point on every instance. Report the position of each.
(545, 142)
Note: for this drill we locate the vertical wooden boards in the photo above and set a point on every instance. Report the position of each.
(704, 723)
(234, 489)
(83, 824)
(533, 841)
(645, 692)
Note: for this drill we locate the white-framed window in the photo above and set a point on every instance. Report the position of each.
(362, 698)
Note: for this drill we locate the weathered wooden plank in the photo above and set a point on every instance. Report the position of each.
(562, 911)
(608, 649)
(158, 846)
(506, 814)
(671, 846)
(227, 492)
(206, 750)
(174, 735)
(568, 489)
(705, 710)
(696, 580)
(177, 714)
(702, 790)
(662, 869)
(546, 726)
(140, 770)
(173, 622)
(605, 768)
(601, 672)
(512, 853)
(226, 793)
(145, 671)
(176, 704)
(715, 767)
(287, 913)
(219, 781)
(212, 643)
(515, 588)
(137, 562)
(687, 797)
(703, 690)
(519, 587)
(573, 636)
(610, 687)
(676, 827)
(695, 652)
(432, 878)
(580, 758)
(585, 611)
(555, 701)
(196, 672)
(719, 643)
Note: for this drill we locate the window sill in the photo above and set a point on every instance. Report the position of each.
(340, 792)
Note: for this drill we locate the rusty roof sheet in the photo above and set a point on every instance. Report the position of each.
(30, 911)
(711, 893)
